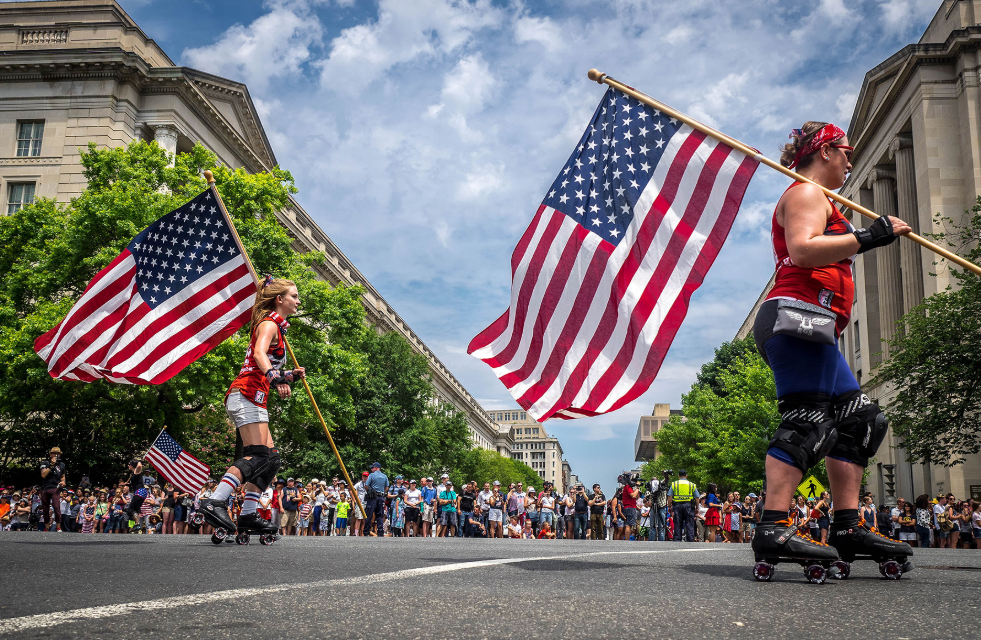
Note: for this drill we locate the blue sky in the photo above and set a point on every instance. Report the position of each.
(423, 134)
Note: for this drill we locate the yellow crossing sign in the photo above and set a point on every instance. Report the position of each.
(810, 488)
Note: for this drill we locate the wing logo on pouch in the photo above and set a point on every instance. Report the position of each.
(807, 324)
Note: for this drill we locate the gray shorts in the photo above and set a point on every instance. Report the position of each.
(242, 412)
(448, 518)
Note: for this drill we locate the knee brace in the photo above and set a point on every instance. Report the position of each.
(807, 428)
(861, 427)
(250, 468)
(268, 474)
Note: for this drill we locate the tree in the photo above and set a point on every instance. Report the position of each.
(487, 466)
(935, 363)
(50, 251)
(725, 355)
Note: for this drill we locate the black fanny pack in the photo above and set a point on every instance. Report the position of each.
(793, 318)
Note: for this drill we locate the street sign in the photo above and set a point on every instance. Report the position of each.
(810, 488)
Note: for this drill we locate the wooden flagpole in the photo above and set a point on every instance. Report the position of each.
(238, 240)
(602, 78)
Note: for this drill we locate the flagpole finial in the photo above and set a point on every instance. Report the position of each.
(210, 177)
(596, 75)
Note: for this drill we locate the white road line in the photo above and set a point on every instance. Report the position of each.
(46, 620)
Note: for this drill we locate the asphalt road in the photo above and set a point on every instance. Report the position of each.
(82, 586)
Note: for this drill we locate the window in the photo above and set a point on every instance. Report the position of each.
(29, 138)
(18, 195)
(536, 431)
(524, 416)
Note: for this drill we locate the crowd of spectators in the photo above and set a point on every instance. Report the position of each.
(436, 508)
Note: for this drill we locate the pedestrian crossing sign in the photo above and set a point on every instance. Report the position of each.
(810, 488)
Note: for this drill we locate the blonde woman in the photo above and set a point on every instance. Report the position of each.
(245, 403)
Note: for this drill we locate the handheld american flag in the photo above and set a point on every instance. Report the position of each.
(177, 466)
(601, 279)
(174, 293)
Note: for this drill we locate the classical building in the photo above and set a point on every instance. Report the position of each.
(917, 134)
(533, 446)
(645, 444)
(80, 71)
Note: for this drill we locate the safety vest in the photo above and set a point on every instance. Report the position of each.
(682, 491)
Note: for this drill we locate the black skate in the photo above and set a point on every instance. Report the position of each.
(784, 542)
(215, 513)
(251, 523)
(859, 541)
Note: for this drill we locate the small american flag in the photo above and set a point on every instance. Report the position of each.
(177, 466)
(179, 289)
(601, 279)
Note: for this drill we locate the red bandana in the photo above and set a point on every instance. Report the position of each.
(827, 133)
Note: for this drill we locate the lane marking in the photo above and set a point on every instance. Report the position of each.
(55, 618)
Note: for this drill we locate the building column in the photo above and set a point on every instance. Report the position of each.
(882, 180)
(910, 256)
(165, 135)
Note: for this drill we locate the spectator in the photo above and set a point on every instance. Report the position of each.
(747, 518)
(617, 521)
(580, 508)
(528, 533)
(546, 532)
(448, 503)
(398, 514)
(597, 508)
(343, 507)
(976, 524)
(867, 511)
(482, 499)
(359, 515)
(514, 529)
(531, 509)
(429, 504)
(703, 528)
(468, 502)
(52, 480)
(477, 527)
(291, 508)
(907, 524)
(303, 515)
(883, 519)
(101, 512)
(495, 514)
(413, 509)
(546, 506)
(713, 517)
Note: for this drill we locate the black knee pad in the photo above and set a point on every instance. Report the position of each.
(861, 427)
(258, 455)
(268, 474)
(807, 428)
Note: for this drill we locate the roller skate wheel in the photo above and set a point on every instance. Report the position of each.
(267, 539)
(840, 570)
(219, 536)
(197, 519)
(891, 570)
(816, 574)
(763, 571)
(242, 538)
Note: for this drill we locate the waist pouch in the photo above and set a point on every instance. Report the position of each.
(793, 318)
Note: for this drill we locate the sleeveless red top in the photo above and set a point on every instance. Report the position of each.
(251, 382)
(830, 286)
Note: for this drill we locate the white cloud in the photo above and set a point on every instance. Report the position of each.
(904, 16)
(403, 32)
(275, 44)
(540, 30)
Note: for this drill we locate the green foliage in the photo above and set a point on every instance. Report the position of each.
(487, 466)
(50, 251)
(935, 364)
(729, 415)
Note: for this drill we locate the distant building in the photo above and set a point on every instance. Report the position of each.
(533, 446)
(915, 128)
(645, 444)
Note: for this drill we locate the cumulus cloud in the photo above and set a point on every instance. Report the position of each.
(275, 44)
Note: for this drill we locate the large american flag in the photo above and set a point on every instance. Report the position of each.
(177, 466)
(600, 280)
(179, 289)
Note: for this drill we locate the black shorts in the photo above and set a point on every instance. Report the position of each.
(412, 515)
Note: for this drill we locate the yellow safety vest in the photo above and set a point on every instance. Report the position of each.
(682, 490)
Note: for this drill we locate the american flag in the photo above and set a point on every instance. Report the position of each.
(179, 289)
(600, 280)
(177, 466)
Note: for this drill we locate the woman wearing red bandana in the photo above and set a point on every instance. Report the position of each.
(824, 414)
(245, 404)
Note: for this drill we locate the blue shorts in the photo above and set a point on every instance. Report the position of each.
(342, 523)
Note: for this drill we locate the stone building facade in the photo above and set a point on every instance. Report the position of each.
(645, 443)
(80, 71)
(535, 447)
(916, 129)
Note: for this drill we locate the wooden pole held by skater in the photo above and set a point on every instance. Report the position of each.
(238, 240)
(602, 78)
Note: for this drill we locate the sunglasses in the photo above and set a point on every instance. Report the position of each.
(847, 150)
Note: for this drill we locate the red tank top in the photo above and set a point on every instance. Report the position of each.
(251, 382)
(830, 286)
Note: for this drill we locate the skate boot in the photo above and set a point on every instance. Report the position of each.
(783, 541)
(859, 541)
(252, 523)
(215, 513)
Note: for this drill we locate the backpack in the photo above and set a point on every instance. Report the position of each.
(944, 521)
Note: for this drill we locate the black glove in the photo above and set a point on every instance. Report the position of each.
(877, 234)
(277, 377)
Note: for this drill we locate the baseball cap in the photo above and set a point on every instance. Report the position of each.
(376, 465)
(752, 495)
(531, 488)
(281, 481)
(445, 475)
(315, 481)
(364, 474)
(399, 477)
(290, 479)
(497, 483)
(412, 482)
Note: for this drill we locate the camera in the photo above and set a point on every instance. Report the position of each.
(668, 473)
(628, 479)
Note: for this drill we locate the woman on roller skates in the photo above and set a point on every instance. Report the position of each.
(822, 408)
(245, 403)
